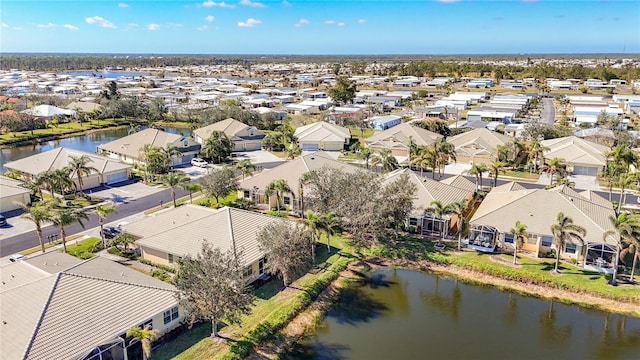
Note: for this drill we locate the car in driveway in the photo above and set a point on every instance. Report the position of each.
(111, 232)
(199, 162)
(3, 221)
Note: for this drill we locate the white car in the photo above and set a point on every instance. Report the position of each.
(17, 257)
(199, 162)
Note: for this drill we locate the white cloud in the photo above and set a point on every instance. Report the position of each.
(203, 27)
(123, 5)
(100, 21)
(341, 24)
(222, 4)
(249, 23)
(252, 3)
(70, 27)
(5, 25)
(286, 3)
(362, 21)
(210, 18)
(153, 27)
(330, 22)
(46, 26)
(302, 22)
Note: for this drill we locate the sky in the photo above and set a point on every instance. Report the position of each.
(328, 27)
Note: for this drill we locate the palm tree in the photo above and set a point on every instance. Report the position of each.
(173, 180)
(62, 181)
(278, 188)
(519, 234)
(444, 152)
(565, 230)
(64, 217)
(145, 336)
(78, 167)
(386, 160)
(365, 154)
(555, 165)
(311, 220)
(246, 167)
(302, 181)
(496, 167)
(292, 150)
(627, 229)
(624, 180)
(167, 154)
(477, 169)
(149, 154)
(191, 188)
(38, 213)
(518, 151)
(439, 211)
(423, 160)
(217, 147)
(103, 211)
(502, 153)
(328, 223)
(536, 152)
(632, 246)
(459, 208)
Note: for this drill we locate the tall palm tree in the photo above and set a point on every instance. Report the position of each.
(445, 152)
(459, 208)
(365, 154)
(302, 181)
(63, 217)
(624, 180)
(39, 214)
(518, 151)
(191, 188)
(627, 229)
(172, 180)
(217, 147)
(278, 188)
(312, 220)
(477, 169)
(167, 154)
(439, 210)
(145, 336)
(565, 230)
(62, 181)
(246, 167)
(386, 160)
(519, 234)
(103, 211)
(555, 165)
(495, 168)
(150, 156)
(292, 150)
(502, 153)
(328, 223)
(423, 160)
(78, 166)
(536, 152)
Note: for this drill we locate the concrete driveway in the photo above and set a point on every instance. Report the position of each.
(124, 192)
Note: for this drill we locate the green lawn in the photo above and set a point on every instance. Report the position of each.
(522, 175)
(62, 129)
(356, 133)
(82, 249)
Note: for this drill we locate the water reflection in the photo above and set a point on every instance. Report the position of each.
(442, 302)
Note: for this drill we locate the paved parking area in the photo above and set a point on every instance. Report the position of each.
(124, 192)
(258, 157)
(195, 172)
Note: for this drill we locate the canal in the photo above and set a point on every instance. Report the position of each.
(87, 143)
(405, 314)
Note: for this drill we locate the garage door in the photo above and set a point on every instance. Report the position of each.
(310, 147)
(585, 170)
(117, 177)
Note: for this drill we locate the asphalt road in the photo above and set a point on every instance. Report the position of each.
(548, 114)
(29, 239)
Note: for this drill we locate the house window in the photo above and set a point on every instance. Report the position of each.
(508, 238)
(171, 315)
(246, 194)
(570, 248)
(170, 258)
(547, 240)
(287, 200)
(413, 222)
(248, 271)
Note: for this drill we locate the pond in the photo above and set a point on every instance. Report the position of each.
(405, 314)
(87, 143)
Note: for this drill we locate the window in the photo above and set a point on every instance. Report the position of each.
(170, 258)
(413, 222)
(570, 248)
(248, 271)
(246, 194)
(508, 238)
(171, 315)
(287, 200)
(547, 240)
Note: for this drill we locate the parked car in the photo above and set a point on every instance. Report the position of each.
(199, 162)
(3, 220)
(17, 257)
(111, 231)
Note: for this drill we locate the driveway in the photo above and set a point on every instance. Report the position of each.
(548, 114)
(124, 192)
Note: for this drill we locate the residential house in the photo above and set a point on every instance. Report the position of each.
(253, 188)
(109, 172)
(13, 194)
(398, 139)
(384, 122)
(538, 209)
(478, 145)
(49, 301)
(583, 157)
(129, 148)
(228, 229)
(244, 137)
(48, 112)
(322, 136)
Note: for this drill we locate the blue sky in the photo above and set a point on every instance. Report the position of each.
(320, 27)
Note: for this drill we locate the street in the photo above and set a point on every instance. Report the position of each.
(548, 114)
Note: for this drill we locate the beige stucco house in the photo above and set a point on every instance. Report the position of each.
(13, 194)
(583, 157)
(322, 136)
(398, 139)
(244, 137)
(478, 145)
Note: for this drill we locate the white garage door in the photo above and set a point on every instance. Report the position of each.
(117, 177)
(310, 147)
(585, 170)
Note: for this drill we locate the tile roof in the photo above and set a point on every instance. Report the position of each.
(402, 133)
(233, 128)
(575, 150)
(10, 187)
(478, 142)
(132, 145)
(461, 182)
(322, 131)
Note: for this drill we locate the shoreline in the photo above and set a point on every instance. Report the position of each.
(46, 138)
